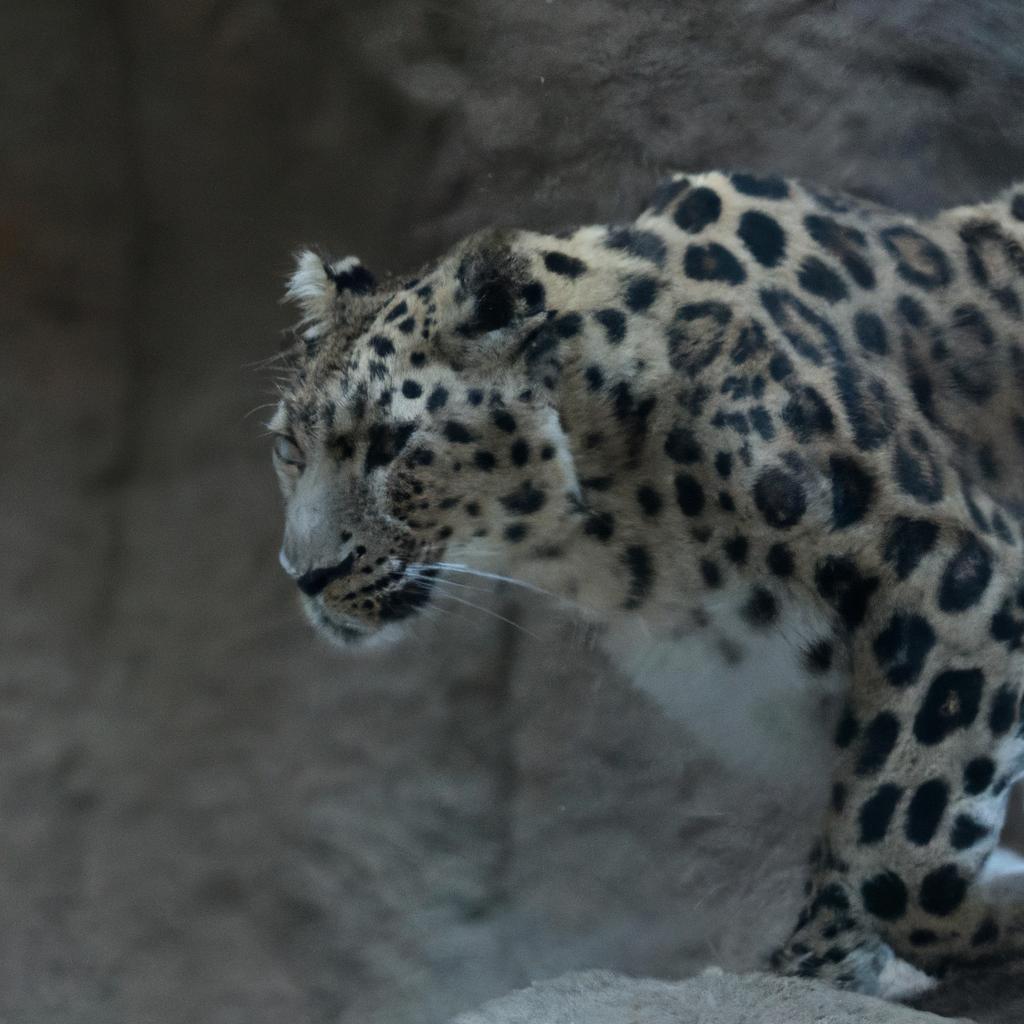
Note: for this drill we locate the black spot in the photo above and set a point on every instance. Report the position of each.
(761, 421)
(764, 187)
(780, 561)
(921, 937)
(484, 460)
(533, 295)
(847, 729)
(918, 471)
(520, 452)
(697, 336)
(885, 896)
(474, 396)
(978, 775)
(1017, 206)
(457, 433)
(614, 323)
(846, 243)
(600, 525)
(794, 318)
(382, 346)
(723, 464)
(902, 647)
(504, 420)
(566, 266)
(852, 491)
(966, 576)
(698, 209)
(641, 575)
(927, 806)
(736, 549)
(918, 260)
(568, 326)
(876, 813)
(979, 236)
(951, 703)
(649, 499)
(942, 891)
(818, 278)
(779, 498)
(385, 442)
(515, 532)
(870, 332)
(840, 582)
(438, 399)
(681, 446)
(807, 414)
(868, 406)
(761, 608)
(908, 541)
(725, 502)
(779, 366)
(817, 657)
(763, 236)
(411, 389)
(594, 376)
(400, 310)
(524, 500)
(689, 494)
(407, 325)
(644, 244)
(641, 293)
(711, 573)
(1003, 712)
(493, 309)
(966, 832)
(879, 739)
(713, 262)
(751, 340)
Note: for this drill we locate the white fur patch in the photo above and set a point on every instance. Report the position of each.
(744, 692)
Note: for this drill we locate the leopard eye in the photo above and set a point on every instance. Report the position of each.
(289, 453)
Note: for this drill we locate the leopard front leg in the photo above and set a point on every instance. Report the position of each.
(928, 745)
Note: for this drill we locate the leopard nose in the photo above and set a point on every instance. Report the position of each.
(312, 582)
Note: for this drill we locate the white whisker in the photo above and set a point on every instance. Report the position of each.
(456, 567)
(493, 614)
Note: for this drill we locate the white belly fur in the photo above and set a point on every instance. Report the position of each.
(763, 715)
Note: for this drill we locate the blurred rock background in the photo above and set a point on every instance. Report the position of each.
(206, 815)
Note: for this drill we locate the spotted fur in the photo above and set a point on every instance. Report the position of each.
(757, 397)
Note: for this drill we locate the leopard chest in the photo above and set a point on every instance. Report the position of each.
(762, 698)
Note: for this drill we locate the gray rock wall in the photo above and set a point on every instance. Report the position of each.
(207, 816)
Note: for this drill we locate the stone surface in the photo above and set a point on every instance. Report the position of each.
(207, 816)
(713, 997)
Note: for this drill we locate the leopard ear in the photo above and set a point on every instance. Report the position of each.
(331, 292)
(494, 296)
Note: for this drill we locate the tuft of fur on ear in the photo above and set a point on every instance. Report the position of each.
(328, 292)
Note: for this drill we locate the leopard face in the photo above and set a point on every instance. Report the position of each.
(412, 430)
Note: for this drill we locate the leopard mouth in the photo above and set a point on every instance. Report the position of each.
(408, 596)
